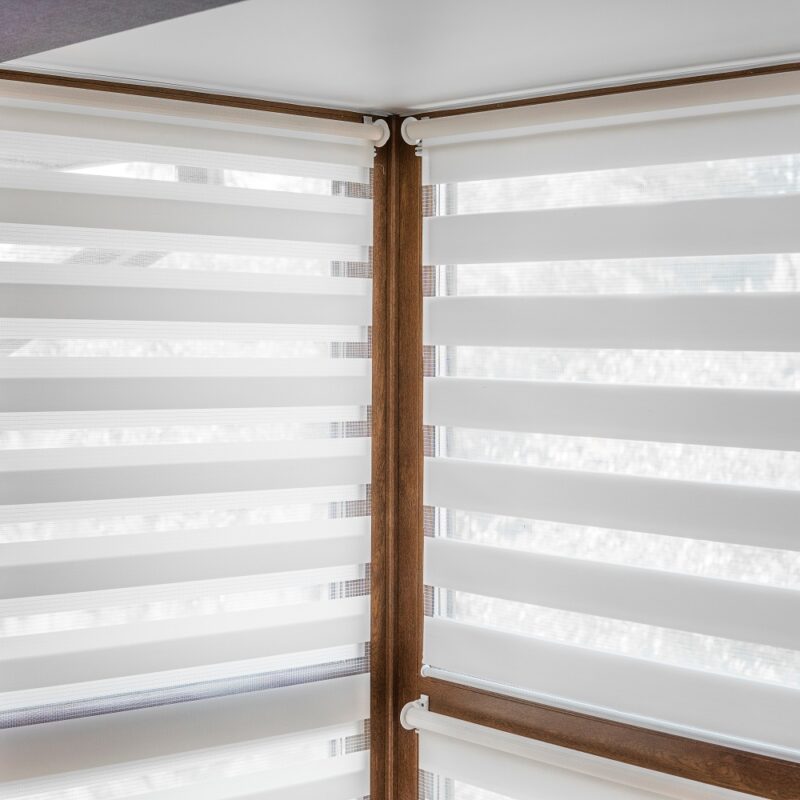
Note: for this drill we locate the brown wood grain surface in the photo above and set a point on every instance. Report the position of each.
(742, 771)
(189, 95)
(384, 470)
(409, 598)
(621, 89)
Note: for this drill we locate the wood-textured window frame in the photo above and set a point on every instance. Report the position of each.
(397, 504)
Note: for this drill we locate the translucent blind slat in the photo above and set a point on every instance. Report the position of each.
(81, 483)
(76, 184)
(247, 284)
(71, 565)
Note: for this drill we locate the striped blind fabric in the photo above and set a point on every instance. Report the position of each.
(464, 761)
(612, 482)
(185, 404)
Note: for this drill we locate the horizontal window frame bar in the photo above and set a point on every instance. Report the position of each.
(694, 759)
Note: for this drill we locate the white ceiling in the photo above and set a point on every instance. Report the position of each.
(379, 55)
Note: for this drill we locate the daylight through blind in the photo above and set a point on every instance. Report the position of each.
(612, 361)
(185, 396)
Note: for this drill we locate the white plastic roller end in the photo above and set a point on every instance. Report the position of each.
(406, 715)
(383, 126)
(407, 130)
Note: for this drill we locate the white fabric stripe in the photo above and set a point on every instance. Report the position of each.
(103, 482)
(688, 100)
(749, 515)
(234, 197)
(46, 367)
(246, 592)
(89, 420)
(89, 654)
(755, 133)
(107, 145)
(745, 321)
(159, 391)
(129, 692)
(510, 764)
(133, 239)
(755, 418)
(208, 307)
(45, 327)
(181, 217)
(109, 562)
(751, 710)
(51, 748)
(730, 609)
(725, 226)
(120, 276)
(112, 456)
(102, 107)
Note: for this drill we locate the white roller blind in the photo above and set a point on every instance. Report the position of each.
(463, 761)
(185, 397)
(612, 393)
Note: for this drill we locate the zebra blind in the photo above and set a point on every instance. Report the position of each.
(463, 761)
(612, 361)
(185, 402)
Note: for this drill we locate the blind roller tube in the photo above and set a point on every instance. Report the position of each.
(90, 654)
(704, 138)
(693, 100)
(35, 751)
(197, 115)
(160, 142)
